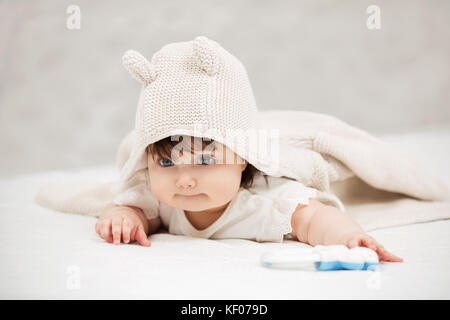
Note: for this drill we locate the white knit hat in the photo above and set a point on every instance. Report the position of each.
(194, 88)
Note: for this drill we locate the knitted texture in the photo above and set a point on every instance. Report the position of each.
(197, 88)
(192, 88)
(139, 67)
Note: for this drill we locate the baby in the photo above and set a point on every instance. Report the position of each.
(201, 186)
(204, 188)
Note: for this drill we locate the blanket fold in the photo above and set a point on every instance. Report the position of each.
(320, 151)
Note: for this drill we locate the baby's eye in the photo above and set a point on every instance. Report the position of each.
(165, 162)
(206, 160)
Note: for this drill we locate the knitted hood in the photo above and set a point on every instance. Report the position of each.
(194, 88)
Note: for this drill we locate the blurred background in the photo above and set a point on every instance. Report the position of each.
(66, 101)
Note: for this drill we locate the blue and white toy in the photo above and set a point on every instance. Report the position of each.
(322, 258)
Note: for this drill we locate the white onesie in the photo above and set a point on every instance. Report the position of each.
(260, 213)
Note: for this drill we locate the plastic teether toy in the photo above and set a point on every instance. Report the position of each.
(322, 258)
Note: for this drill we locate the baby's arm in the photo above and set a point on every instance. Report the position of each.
(317, 223)
(127, 223)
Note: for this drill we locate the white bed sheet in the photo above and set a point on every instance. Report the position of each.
(44, 254)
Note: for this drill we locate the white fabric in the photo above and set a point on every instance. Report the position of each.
(318, 151)
(198, 88)
(215, 96)
(373, 208)
(42, 251)
(261, 213)
(325, 152)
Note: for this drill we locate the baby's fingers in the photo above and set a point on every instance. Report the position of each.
(385, 255)
(370, 243)
(105, 231)
(141, 237)
(97, 228)
(126, 229)
(116, 229)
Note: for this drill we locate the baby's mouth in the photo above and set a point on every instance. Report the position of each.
(190, 196)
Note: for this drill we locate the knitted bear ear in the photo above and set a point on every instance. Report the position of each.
(139, 67)
(206, 54)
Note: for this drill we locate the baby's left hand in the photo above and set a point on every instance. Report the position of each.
(361, 239)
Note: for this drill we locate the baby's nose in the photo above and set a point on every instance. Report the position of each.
(186, 182)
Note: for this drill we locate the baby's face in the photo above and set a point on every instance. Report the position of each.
(201, 182)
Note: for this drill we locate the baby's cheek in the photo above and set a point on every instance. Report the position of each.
(226, 183)
(157, 186)
(162, 195)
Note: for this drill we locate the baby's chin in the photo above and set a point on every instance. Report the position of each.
(198, 203)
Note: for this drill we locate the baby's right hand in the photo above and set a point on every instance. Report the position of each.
(117, 221)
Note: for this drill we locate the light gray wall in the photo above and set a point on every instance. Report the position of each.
(66, 101)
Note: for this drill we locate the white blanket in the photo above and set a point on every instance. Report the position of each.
(46, 254)
(379, 184)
